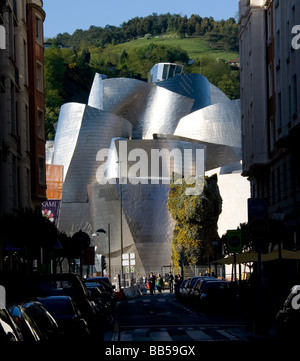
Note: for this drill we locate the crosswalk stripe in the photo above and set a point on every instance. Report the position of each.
(160, 336)
(199, 335)
(227, 334)
(176, 333)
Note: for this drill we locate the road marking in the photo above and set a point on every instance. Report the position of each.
(198, 335)
(160, 336)
(227, 334)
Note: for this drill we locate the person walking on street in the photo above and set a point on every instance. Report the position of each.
(159, 283)
(152, 283)
(178, 281)
(171, 279)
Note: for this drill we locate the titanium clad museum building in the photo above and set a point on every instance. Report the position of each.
(115, 175)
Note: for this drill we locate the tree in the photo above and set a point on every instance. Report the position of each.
(24, 233)
(196, 221)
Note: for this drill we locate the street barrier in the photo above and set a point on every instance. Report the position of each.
(132, 292)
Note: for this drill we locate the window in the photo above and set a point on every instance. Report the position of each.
(278, 114)
(269, 26)
(13, 110)
(38, 30)
(270, 78)
(42, 172)
(40, 123)
(27, 128)
(39, 76)
(11, 36)
(278, 49)
(294, 99)
(15, 181)
(272, 134)
(25, 63)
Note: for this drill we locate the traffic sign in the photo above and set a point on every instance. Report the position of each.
(257, 207)
(234, 241)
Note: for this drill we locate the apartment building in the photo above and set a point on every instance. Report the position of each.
(270, 101)
(22, 139)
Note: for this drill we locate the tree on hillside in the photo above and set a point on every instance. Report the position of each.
(67, 78)
(196, 221)
(219, 73)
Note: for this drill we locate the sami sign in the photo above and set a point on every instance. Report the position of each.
(50, 209)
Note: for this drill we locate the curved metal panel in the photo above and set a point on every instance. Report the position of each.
(97, 129)
(68, 127)
(218, 123)
(96, 94)
(194, 86)
(162, 112)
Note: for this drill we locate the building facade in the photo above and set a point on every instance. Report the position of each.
(22, 139)
(270, 100)
(110, 179)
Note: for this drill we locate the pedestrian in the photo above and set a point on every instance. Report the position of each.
(178, 281)
(171, 279)
(159, 282)
(151, 283)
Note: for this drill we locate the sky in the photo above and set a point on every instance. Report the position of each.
(68, 15)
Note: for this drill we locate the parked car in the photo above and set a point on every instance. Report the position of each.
(287, 320)
(182, 289)
(72, 285)
(189, 288)
(104, 302)
(192, 286)
(67, 315)
(105, 281)
(214, 295)
(35, 322)
(9, 331)
(106, 297)
(195, 290)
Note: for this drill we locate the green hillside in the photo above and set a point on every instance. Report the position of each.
(196, 47)
(132, 49)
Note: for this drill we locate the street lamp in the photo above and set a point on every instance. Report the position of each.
(100, 230)
(121, 224)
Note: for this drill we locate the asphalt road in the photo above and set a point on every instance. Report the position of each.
(162, 317)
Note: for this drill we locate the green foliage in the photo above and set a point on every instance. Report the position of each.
(135, 62)
(67, 78)
(25, 231)
(196, 221)
(219, 73)
(132, 49)
(223, 34)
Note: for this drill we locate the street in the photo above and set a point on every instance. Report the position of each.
(162, 317)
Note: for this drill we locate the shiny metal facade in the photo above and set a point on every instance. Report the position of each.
(184, 112)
